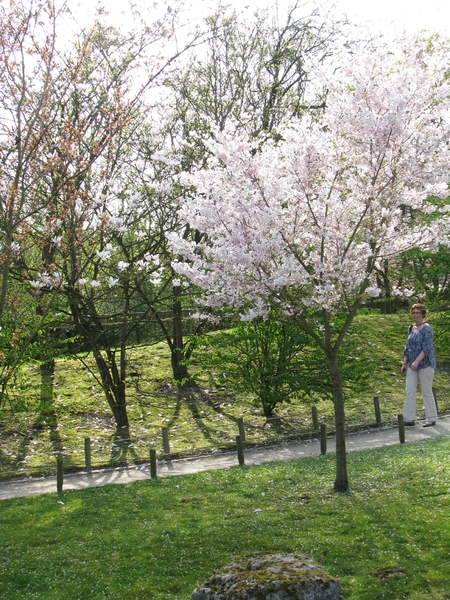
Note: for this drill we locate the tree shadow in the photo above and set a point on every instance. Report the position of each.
(123, 451)
(45, 420)
(196, 398)
(47, 414)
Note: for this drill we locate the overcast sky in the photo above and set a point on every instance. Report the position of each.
(409, 15)
(382, 16)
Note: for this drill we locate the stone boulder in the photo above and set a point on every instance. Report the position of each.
(266, 576)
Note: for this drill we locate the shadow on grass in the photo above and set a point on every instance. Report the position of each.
(47, 414)
(46, 419)
(196, 398)
(122, 450)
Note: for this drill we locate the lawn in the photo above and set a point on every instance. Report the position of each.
(389, 537)
(45, 418)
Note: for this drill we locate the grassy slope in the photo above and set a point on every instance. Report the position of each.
(60, 415)
(388, 538)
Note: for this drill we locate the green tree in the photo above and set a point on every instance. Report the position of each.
(79, 246)
(275, 361)
(28, 95)
(249, 74)
(263, 358)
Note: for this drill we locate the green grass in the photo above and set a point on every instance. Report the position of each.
(389, 537)
(42, 420)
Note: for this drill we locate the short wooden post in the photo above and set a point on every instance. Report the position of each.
(165, 434)
(315, 418)
(376, 404)
(242, 432)
(401, 428)
(240, 450)
(152, 463)
(59, 473)
(323, 438)
(87, 454)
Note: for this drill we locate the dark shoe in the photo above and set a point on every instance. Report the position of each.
(409, 423)
(429, 424)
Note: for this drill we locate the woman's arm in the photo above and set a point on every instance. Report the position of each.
(418, 360)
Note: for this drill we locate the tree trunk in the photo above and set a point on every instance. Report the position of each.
(111, 376)
(341, 481)
(179, 368)
(113, 387)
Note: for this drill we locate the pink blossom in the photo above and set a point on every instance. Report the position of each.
(305, 221)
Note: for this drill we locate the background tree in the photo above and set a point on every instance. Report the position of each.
(274, 362)
(305, 222)
(250, 73)
(262, 358)
(28, 67)
(152, 173)
(97, 100)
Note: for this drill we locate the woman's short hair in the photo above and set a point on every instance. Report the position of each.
(420, 307)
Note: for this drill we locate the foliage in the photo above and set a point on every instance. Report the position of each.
(91, 149)
(69, 118)
(273, 360)
(427, 273)
(28, 60)
(262, 358)
(251, 73)
(248, 74)
(375, 539)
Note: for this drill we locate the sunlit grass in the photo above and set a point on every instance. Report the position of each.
(389, 537)
(199, 420)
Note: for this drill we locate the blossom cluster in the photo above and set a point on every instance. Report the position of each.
(307, 220)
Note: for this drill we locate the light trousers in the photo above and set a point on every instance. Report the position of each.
(425, 378)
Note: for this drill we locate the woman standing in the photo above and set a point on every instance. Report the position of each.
(419, 363)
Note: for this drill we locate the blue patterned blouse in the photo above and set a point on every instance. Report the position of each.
(416, 342)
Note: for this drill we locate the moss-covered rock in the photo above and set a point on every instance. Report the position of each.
(266, 576)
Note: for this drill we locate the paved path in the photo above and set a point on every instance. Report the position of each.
(373, 438)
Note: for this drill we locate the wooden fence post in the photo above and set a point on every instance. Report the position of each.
(165, 434)
(315, 418)
(59, 473)
(152, 463)
(240, 450)
(323, 438)
(401, 428)
(242, 432)
(87, 454)
(376, 404)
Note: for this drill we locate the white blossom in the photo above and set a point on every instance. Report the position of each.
(307, 219)
(104, 254)
(116, 222)
(373, 291)
(141, 264)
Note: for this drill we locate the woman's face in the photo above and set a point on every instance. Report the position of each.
(417, 316)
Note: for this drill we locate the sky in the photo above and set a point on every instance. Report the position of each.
(382, 16)
(408, 15)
